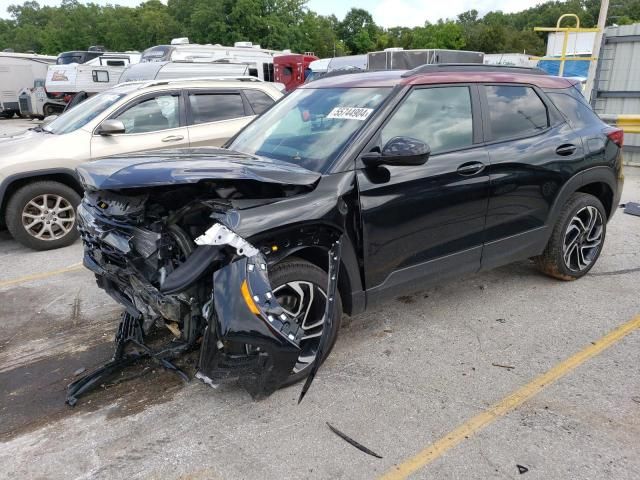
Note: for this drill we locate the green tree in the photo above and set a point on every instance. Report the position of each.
(358, 31)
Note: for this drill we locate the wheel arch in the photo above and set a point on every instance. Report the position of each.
(598, 181)
(315, 252)
(12, 183)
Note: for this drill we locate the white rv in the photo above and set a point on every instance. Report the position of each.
(94, 76)
(182, 69)
(17, 72)
(258, 60)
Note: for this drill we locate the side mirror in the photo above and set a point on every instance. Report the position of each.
(399, 151)
(111, 127)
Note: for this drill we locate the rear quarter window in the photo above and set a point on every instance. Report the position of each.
(573, 107)
(259, 101)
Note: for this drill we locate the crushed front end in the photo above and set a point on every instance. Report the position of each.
(171, 257)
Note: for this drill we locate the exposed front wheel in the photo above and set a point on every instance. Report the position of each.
(300, 288)
(576, 240)
(42, 215)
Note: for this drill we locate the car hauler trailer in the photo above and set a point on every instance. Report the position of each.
(17, 72)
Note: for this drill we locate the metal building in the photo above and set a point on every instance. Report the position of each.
(617, 81)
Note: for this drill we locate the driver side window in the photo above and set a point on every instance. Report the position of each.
(152, 115)
(439, 116)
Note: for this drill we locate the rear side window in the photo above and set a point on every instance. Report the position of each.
(573, 106)
(259, 101)
(213, 107)
(440, 117)
(515, 111)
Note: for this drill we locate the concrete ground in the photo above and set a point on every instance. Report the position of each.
(400, 378)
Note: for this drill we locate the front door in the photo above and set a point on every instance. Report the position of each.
(151, 122)
(423, 222)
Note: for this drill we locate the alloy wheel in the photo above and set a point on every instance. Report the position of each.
(48, 217)
(305, 302)
(583, 239)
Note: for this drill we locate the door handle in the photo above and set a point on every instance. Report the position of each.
(566, 149)
(173, 138)
(471, 168)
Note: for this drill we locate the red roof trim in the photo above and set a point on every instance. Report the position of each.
(543, 81)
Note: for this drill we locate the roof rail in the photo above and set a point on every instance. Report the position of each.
(169, 81)
(471, 67)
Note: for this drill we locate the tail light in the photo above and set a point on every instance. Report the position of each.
(616, 135)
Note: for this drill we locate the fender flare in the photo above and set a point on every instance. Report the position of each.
(599, 174)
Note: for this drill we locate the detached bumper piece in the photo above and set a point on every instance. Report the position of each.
(251, 338)
(248, 314)
(129, 333)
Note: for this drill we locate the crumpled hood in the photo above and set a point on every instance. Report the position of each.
(188, 165)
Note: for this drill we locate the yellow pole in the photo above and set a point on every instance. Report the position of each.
(564, 53)
(565, 40)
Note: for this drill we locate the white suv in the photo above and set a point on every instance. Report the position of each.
(38, 186)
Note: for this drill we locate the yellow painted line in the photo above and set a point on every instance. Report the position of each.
(506, 405)
(39, 276)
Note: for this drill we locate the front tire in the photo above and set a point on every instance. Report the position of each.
(42, 215)
(300, 288)
(576, 240)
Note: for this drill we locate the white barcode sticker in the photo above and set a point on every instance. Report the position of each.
(350, 113)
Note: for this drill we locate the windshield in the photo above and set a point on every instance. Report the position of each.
(68, 58)
(76, 118)
(310, 127)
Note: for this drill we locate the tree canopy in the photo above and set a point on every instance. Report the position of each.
(281, 24)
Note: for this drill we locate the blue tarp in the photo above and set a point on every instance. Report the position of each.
(572, 68)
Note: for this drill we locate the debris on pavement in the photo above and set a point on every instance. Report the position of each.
(352, 441)
(522, 469)
(508, 367)
(632, 208)
(79, 371)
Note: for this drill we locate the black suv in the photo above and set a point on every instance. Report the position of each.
(350, 190)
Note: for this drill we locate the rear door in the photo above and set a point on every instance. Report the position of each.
(532, 152)
(423, 222)
(152, 121)
(216, 115)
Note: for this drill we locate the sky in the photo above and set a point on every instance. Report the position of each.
(387, 13)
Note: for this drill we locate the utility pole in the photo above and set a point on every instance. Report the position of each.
(597, 43)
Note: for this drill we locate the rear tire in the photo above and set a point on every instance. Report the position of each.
(294, 270)
(577, 239)
(33, 205)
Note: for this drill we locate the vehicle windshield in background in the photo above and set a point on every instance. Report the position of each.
(67, 59)
(311, 126)
(160, 53)
(79, 117)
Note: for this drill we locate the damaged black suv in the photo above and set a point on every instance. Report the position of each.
(350, 190)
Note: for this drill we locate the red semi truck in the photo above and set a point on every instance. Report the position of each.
(292, 69)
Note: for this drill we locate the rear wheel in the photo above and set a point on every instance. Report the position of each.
(576, 240)
(42, 215)
(300, 288)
